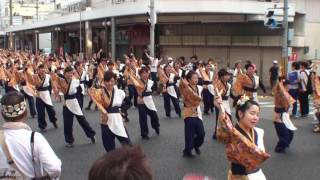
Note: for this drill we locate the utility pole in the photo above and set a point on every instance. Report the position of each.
(10, 7)
(80, 36)
(113, 38)
(36, 33)
(10, 23)
(152, 27)
(285, 37)
(37, 9)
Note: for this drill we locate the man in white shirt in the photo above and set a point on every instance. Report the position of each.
(30, 152)
(154, 62)
(303, 94)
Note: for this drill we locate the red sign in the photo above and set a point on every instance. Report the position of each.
(293, 57)
(139, 35)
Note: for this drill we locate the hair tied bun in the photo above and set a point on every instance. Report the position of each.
(243, 99)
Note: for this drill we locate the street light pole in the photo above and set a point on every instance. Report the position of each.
(113, 38)
(10, 23)
(152, 27)
(80, 37)
(36, 36)
(285, 37)
(106, 25)
(37, 10)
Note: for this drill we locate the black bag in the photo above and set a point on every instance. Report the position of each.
(309, 83)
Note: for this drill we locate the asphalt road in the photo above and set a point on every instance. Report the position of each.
(164, 152)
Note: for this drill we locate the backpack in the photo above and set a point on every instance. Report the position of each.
(293, 78)
(309, 83)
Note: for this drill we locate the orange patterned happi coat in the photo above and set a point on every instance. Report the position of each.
(191, 99)
(242, 81)
(239, 149)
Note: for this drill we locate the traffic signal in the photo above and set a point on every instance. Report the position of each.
(269, 20)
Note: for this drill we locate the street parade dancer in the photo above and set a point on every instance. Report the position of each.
(244, 142)
(248, 83)
(29, 92)
(83, 76)
(315, 79)
(131, 68)
(192, 115)
(168, 76)
(42, 82)
(208, 91)
(69, 86)
(110, 100)
(282, 123)
(146, 105)
(222, 85)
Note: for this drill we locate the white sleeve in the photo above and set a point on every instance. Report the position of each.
(122, 94)
(260, 133)
(304, 78)
(200, 89)
(48, 159)
(171, 78)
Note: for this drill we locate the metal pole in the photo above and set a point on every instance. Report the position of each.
(15, 44)
(37, 10)
(58, 47)
(10, 7)
(285, 37)
(4, 41)
(152, 27)
(106, 40)
(10, 22)
(80, 37)
(113, 38)
(36, 34)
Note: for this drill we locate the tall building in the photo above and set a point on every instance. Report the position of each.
(25, 11)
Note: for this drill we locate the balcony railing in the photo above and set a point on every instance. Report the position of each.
(121, 1)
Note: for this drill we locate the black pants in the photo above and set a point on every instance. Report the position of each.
(68, 124)
(108, 139)
(41, 107)
(30, 100)
(304, 103)
(175, 101)
(155, 82)
(121, 83)
(294, 93)
(207, 101)
(193, 133)
(80, 99)
(143, 119)
(133, 94)
(273, 82)
(285, 136)
(215, 128)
